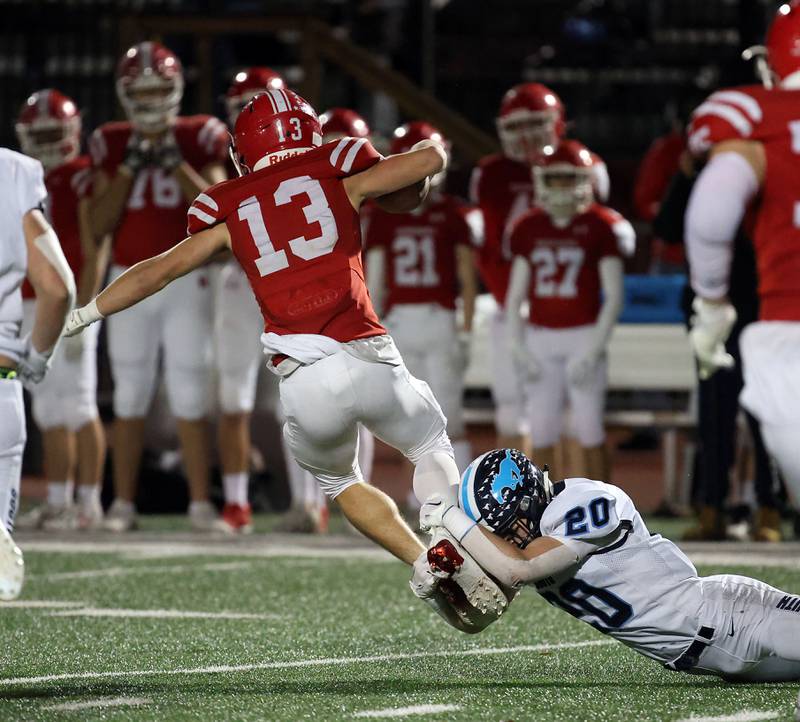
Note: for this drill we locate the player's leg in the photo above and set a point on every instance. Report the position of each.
(187, 328)
(546, 395)
(507, 391)
(12, 444)
(588, 404)
(322, 431)
(133, 344)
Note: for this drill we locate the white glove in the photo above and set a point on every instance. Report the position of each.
(423, 581)
(80, 318)
(581, 370)
(33, 365)
(711, 326)
(527, 364)
(434, 508)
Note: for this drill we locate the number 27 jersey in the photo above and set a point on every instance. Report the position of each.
(636, 587)
(298, 238)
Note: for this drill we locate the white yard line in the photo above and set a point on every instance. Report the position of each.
(126, 571)
(102, 702)
(300, 663)
(732, 558)
(156, 614)
(743, 716)
(40, 604)
(405, 711)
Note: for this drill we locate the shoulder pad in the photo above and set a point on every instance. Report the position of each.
(586, 511)
(351, 155)
(724, 115)
(206, 210)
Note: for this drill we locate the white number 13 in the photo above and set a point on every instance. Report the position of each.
(317, 211)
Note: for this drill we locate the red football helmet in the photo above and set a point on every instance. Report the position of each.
(530, 120)
(245, 84)
(563, 181)
(341, 123)
(408, 135)
(150, 86)
(273, 125)
(783, 41)
(49, 128)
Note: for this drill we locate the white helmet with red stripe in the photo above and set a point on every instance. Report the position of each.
(247, 83)
(49, 128)
(150, 86)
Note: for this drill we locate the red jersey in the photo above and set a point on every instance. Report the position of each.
(154, 218)
(503, 189)
(298, 239)
(420, 250)
(771, 117)
(66, 185)
(565, 278)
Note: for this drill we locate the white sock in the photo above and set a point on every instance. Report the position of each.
(235, 488)
(88, 495)
(59, 493)
(462, 451)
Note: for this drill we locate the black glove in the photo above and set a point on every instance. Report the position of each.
(167, 154)
(138, 154)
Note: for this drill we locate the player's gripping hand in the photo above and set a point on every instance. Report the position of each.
(582, 370)
(80, 318)
(711, 326)
(138, 154)
(423, 581)
(167, 154)
(435, 507)
(33, 364)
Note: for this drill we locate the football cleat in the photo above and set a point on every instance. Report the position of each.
(121, 517)
(203, 517)
(44, 516)
(12, 567)
(239, 517)
(49, 128)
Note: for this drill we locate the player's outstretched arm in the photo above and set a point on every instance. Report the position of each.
(150, 276)
(397, 172)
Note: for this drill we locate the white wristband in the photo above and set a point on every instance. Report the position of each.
(91, 313)
(457, 522)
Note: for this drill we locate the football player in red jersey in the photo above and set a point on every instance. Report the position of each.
(292, 222)
(146, 172)
(237, 319)
(65, 402)
(751, 136)
(566, 251)
(418, 264)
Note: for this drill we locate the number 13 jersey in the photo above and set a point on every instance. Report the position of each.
(298, 238)
(636, 586)
(565, 278)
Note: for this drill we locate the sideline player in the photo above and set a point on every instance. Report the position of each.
(147, 171)
(65, 402)
(751, 136)
(418, 264)
(237, 320)
(587, 551)
(292, 223)
(29, 245)
(566, 250)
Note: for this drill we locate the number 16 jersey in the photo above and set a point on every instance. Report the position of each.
(298, 238)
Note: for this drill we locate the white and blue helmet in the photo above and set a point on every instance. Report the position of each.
(505, 492)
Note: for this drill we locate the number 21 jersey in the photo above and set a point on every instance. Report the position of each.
(298, 238)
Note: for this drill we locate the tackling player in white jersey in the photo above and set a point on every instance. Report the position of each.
(29, 245)
(587, 550)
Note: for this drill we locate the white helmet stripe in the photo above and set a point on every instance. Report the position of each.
(728, 113)
(745, 102)
(351, 154)
(285, 97)
(146, 55)
(280, 102)
(271, 102)
(337, 151)
(43, 105)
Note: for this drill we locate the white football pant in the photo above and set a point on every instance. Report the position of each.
(179, 320)
(325, 402)
(548, 396)
(507, 384)
(12, 444)
(771, 367)
(67, 395)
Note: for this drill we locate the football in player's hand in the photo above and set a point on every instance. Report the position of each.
(404, 200)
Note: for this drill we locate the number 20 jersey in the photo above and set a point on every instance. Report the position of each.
(771, 117)
(298, 238)
(637, 587)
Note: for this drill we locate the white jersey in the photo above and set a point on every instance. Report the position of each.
(636, 587)
(22, 181)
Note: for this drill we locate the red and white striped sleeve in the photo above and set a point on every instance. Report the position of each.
(203, 213)
(353, 155)
(725, 115)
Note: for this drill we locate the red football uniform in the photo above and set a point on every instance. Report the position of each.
(420, 250)
(565, 278)
(154, 218)
(503, 189)
(66, 185)
(771, 117)
(298, 239)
